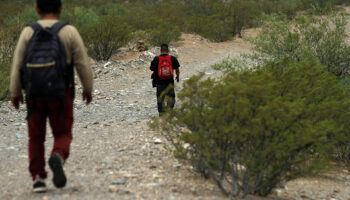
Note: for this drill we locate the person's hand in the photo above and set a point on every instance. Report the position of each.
(177, 78)
(16, 101)
(87, 96)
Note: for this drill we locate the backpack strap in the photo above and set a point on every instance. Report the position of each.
(36, 26)
(57, 27)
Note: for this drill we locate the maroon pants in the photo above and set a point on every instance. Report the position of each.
(61, 129)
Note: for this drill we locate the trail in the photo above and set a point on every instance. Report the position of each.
(114, 155)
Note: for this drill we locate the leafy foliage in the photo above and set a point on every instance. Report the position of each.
(104, 38)
(80, 17)
(244, 14)
(252, 129)
(164, 34)
(305, 38)
(214, 19)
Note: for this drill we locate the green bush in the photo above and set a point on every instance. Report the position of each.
(8, 40)
(164, 34)
(80, 17)
(304, 38)
(252, 129)
(104, 38)
(216, 28)
(244, 14)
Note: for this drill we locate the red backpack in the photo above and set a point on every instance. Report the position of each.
(165, 67)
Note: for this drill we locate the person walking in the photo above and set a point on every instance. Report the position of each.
(163, 67)
(42, 66)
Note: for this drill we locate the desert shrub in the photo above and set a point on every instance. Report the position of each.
(321, 6)
(177, 12)
(141, 18)
(104, 38)
(118, 10)
(305, 38)
(8, 40)
(216, 28)
(244, 14)
(80, 17)
(252, 129)
(164, 34)
(7, 46)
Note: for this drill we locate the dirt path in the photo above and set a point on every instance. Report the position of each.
(115, 156)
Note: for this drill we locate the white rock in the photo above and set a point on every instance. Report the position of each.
(186, 146)
(157, 141)
(107, 64)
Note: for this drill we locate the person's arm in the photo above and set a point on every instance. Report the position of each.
(15, 81)
(176, 66)
(82, 64)
(154, 64)
(177, 74)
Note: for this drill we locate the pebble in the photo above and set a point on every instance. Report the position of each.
(19, 136)
(46, 198)
(4, 111)
(157, 141)
(119, 182)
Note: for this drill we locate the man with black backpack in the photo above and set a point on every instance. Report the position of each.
(163, 67)
(43, 68)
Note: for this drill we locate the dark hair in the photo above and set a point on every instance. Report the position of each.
(49, 6)
(164, 47)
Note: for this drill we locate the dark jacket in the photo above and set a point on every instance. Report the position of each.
(154, 67)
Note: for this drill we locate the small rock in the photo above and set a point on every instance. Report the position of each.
(157, 141)
(186, 146)
(46, 198)
(278, 192)
(112, 188)
(19, 136)
(4, 112)
(96, 123)
(119, 182)
(17, 124)
(107, 64)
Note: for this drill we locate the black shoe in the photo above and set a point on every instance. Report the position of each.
(39, 186)
(56, 164)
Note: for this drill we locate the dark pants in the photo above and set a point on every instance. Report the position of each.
(165, 97)
(61, 129)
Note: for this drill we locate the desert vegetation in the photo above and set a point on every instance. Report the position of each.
(214, 19)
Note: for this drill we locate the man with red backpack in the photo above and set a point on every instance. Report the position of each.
(163, 67)
(42, 66)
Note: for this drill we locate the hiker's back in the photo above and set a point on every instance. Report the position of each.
(45, 74)
(74, 50)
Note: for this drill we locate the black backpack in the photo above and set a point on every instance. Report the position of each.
(45, 74)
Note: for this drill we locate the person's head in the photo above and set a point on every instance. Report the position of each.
(164, 49)
(49, 8)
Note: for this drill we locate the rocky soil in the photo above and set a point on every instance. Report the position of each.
(114, 155)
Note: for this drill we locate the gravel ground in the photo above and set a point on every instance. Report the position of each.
(114, 155)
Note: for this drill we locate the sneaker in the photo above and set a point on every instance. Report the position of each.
(56, 164)
(39, 186)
